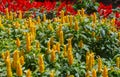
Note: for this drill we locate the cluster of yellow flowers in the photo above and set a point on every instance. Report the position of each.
(52, 48)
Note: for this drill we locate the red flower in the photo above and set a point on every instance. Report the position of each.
(104, 10)
(117, 15)
(117, 23)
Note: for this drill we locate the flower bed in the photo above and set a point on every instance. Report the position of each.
(67, 45)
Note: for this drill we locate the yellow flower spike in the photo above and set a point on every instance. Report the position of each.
(70, 56)
(93, 34)
(81, 44)
(14, 14)
(19, 69)
(41, 63)
(76, 27)
(37, 45)
(67, 19)
(52, 40)
(59, 29)
(58, 47)
(9, 70)
(63, 20)
(17, 24)
(94, 17)
(7, 54)
(99, 64)
(38, 20)
(118, 62)
(44, 17)
(94, 73)
(28, 42)
(50, 27)
(62, 14)
(15, 58)
(83, 12)
(53, 56)
(22, 60)
(18, 43)
(20, 14)
(71, 20)
(28, 74)
(90, 62)
(70, 43)
(78, 12)
(61, 38)
(52, 74)
(7, 13)
(65, 51)
(105, 72)
(93, 25)
(113, 22)
(87, 74)
(11, 15)
(48, 46)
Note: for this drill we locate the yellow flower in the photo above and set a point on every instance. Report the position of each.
(76, 27)
(38, 20)
(28, 74)
(28, 42)
(53, 56)
(82, 12)
(19, 69)
(50, 27)
(22, 60)
(118, 62)
(15, 58)
(8, 64)
(37, 45)
(61, 38)
(65, 51)
(67, 19)
(78, 12)
(99, 64)
(44, 17)
(51, 40)
(70, 56)
(11, 15)
(94, 73)
(58, 47)
(52, 74)
(105, 72)
(7, 13)
(81, 44)
(71, 20)
(18, 42)
(70, 43)
(93, 34)
(41, 64)
(94, 18)
(20, 14)
(87, 74)
(62, 14)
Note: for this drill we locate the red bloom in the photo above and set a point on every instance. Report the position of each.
(117, 15)
(49, 5)
(117, 23)
(104, 10)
